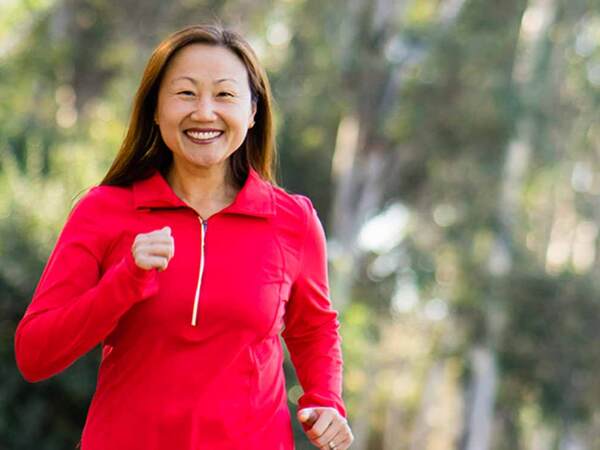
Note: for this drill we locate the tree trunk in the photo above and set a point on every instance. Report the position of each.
(537, 19)
(429, 398)
(393, 420)
(481, 407)
(361, 421)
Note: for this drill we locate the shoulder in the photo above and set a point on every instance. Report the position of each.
(95, 218)
(297, 215)
(295, 208)
(99, 212)
(103, 200)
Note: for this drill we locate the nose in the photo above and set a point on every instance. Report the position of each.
(204, 110)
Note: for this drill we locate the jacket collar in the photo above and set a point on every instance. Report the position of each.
(256, 198)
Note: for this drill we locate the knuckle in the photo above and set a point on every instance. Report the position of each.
(321, 442)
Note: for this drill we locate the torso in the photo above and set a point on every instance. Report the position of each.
(160, 368)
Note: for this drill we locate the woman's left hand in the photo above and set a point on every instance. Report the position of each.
(327, 429)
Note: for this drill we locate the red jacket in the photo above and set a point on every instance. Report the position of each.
(253, 269)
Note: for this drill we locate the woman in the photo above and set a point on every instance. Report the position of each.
(186, 264)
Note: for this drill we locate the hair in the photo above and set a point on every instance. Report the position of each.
(143, 150)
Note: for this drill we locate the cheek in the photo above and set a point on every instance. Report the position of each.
(238, 113)
(242, 120)
(172, 112)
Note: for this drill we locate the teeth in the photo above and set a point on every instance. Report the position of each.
(203, 134)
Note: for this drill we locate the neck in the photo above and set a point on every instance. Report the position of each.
(202, 187)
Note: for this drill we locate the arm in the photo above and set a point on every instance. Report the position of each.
(311, 325)
(75, 306)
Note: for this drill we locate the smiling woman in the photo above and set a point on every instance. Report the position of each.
(205, 109)
(177, 70)
(186, 264)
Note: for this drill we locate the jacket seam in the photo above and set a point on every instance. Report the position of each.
(280, 283)
(303, 246)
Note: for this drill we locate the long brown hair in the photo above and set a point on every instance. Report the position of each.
(143, 150)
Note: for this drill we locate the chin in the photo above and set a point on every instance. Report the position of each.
(207, 162)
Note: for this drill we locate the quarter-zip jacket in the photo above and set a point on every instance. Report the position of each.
(191, 356)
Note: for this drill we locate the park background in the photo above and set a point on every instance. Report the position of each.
(452, 150)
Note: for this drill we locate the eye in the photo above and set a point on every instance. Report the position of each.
(186, 93)
(225, 94)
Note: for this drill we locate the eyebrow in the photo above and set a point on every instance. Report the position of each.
(220, 80)
(226, 79)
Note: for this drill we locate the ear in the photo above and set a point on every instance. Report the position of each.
(252, 114)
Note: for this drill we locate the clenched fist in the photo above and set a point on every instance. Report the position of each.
(153, 250)
(327, 429)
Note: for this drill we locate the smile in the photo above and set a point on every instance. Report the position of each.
(203, 136)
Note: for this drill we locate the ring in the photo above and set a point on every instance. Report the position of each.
(331, 445)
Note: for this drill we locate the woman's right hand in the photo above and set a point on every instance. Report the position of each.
(153, 250)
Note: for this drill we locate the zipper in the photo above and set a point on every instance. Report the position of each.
(203, 227)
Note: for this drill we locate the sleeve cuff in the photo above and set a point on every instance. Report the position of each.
(146, 280)
(314, 401)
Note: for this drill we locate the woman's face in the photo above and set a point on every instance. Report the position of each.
(204, 106)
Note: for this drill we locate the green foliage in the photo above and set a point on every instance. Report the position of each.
(551, 319)
(466, 92)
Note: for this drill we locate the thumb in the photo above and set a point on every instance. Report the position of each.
(307, 416)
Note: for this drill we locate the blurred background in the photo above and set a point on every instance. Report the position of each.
(452, 149)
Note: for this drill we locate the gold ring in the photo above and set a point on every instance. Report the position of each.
(331, 445)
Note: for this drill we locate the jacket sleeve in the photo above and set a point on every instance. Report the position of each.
(75, 306)
(311, 325)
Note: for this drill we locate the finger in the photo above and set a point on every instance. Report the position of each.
(333, 433)
(164, 231)
(342, 439)
(323, 447)
(164, 247)
(308, 417)
(337, 431)
(153, 262)
(162, 262)
(159, 236)
(323, 422)
(340, 443)
(346, 443)
(142, 253)
(143, 239)
(157, 249)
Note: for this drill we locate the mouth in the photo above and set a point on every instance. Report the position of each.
(203, 136)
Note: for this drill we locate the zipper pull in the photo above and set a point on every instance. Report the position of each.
(204, 225)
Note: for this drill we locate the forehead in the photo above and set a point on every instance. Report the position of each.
(206, 63)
